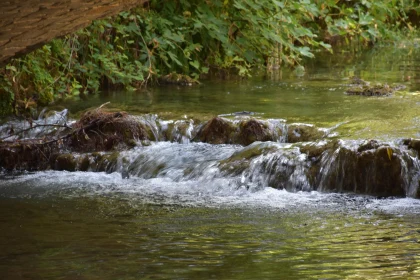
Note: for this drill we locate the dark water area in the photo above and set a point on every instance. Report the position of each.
(179, 216)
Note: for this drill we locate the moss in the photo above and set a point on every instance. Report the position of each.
(217, 131)
(65, 162)
(108, 162)
(315, 149)
(253, 130)
(84, 163)
(376, 90)
(414, 144)
(303, 133)
(240, 161)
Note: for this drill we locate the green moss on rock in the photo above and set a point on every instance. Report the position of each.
(65, 162)
(217, 131)
(303, 133)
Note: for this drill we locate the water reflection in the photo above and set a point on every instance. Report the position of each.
(113, 237)
(317, 97)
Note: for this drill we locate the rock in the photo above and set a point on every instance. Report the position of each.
(84, 163)
(217, 131)
(354, 80)
(368, 145)
(379, 171)
(298, 132)
(240, 160)
(125, 174)
(65, 162)
(414, 144)
(376, 90)
(252, 130)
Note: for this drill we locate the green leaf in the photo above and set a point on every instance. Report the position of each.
(305, 51)
(195, 64)
(174, 58)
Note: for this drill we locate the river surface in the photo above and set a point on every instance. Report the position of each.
(168, 224)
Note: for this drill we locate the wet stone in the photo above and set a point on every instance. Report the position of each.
(303, 133)
(217, 131)
(414, 144)
(375, 90)
(252, 130)
(65, 162)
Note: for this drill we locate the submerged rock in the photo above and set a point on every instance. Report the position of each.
(375, 90)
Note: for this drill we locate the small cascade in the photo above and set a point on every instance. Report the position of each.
(370, 167)
(328, 166)
(45, 124)
(243, 153)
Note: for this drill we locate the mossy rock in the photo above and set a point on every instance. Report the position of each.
(65, 162)
(357, 81)
(375, 90)
(253, 130)
(314, 150)
(303, 133)
(240, 160)
(413, 144)
(107, 162)
(375, 171)
(217, 131)
(83, 163)
(179, 131)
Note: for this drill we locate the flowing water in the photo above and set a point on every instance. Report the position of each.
(180, 216)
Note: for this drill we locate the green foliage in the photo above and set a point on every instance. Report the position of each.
(195, 37)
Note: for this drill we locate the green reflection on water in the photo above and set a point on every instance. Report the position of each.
(109, 238)
(317, 97)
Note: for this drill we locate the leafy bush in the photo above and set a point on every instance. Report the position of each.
(193, 37)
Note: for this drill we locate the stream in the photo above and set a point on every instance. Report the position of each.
(186, 213)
